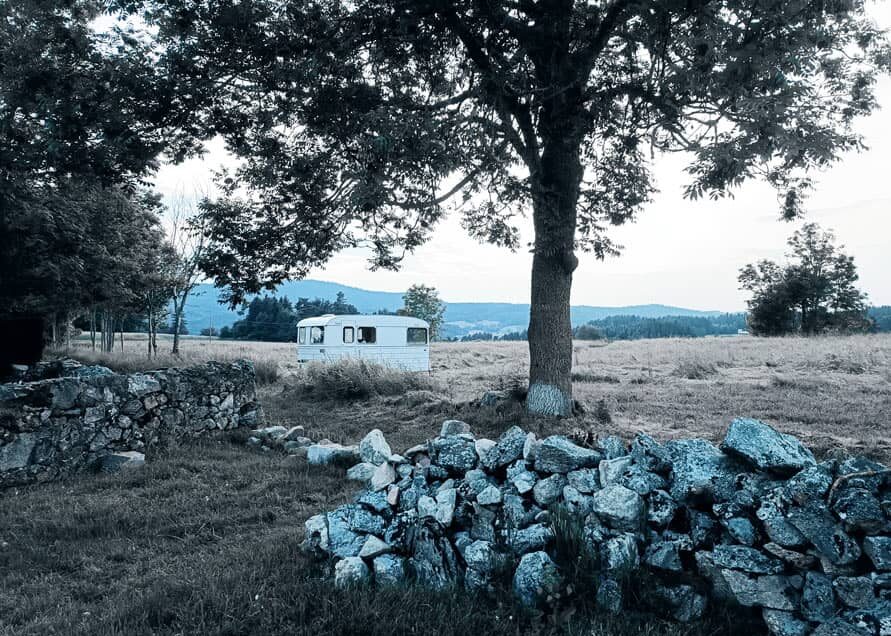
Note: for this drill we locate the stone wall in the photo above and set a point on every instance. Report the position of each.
(55, 427)
(757, 523)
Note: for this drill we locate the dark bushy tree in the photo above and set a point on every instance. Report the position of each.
(360, 120)
(813, 293)
(423, 302)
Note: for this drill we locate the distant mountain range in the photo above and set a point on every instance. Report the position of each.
(204, 310)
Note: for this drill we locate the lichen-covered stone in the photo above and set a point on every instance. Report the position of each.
(536, 578)
(700, 470)
(373, 449)
(559, 455)
(817, 524)
(351, 571)
(455, 453)
(547, 491)
(619, 507)
(878, 549)
(766, 448)
(817, 598)
(389, 570)
(508, 448)
(781, 623)
(854, 591)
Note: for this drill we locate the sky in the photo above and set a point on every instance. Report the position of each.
(678, 252)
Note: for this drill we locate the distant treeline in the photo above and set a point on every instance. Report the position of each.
(275, 319)
(881, 318)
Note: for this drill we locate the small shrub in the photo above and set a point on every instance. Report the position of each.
(351, 379)
(695, 370)
(601, 412)
(594, 378)
(267, 371)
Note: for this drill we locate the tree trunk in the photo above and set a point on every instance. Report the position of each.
(555, 195)
(178, 307)
(93, 327)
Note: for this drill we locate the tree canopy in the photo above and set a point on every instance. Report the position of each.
(422, 301)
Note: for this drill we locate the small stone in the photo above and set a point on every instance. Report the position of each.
(453, 427)
(373, 448)
(609, 596)
(559, 455)
(445, 506)
(663, 555)
(547, 491)
(811, 484)
(878, 549)
(854, 591)
(772, 514)
(374, 501)
(620, 554)
(619, 507)
(389, 570)
(781, 623)
(455, 453)
(373, 547)
(383, 476)
(738, 557)
(426, 507)
(700, 470)
(859, 510)
(521, 479)
(251, 441)
(535, 537)
(361, 472)
(651, 455)
(577, 503)
(839, 627)
(483, 446)
(795, 559)
(741, 529)
(124, 460)
(294, 433)
(536, 578)
(530, 448)
(612, 447)
(771, 591)
(270, 432)
(393, 494)
(491, 496)
(350, 572)
(766, 448)
(661, 509)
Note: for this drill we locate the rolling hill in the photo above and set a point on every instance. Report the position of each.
(204, 310)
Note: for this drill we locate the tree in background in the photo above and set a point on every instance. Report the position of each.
(813, 293)
(275, 319)
(359, 121)
(423, 302)
(186, 235)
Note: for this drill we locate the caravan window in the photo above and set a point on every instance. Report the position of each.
(316, 335)
(349, 335)
(367, 335)
(301, 335)
(416, 336)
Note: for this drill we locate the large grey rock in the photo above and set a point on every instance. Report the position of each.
(772, 591)
(350, 572)
(491, 496)
(620, 554)
(373, 448)
(681, 602)
(362, 471)
(742, 558)
(373, 547)
(811, 484)
(859, 510)
(534, 537)
(455, 453)
(17, 454)
(854, 591)
(840, 627)
(481, 557)
(536, 578)
(331, 454)
(699, 470)
(766, 448)
(612, 469)
(878, 549)
(559, 455)
(507, 449)
(453, 427)
(389, 570)
(585, 480)
(815, 523)
(817, 599)
(383, 476)
(619, 507)
(781, 623)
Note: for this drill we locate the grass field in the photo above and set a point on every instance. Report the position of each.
(205, 539)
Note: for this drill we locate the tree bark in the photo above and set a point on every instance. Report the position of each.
(178, 307)
(555, 195)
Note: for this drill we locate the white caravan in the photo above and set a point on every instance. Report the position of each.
(396, 341)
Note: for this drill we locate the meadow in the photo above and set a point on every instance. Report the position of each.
(205, 539)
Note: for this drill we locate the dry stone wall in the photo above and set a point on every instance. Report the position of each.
(54, 427)
(757, 522)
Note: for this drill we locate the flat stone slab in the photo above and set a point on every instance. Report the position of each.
(766, 448)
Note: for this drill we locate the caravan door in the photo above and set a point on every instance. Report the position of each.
(347, 335)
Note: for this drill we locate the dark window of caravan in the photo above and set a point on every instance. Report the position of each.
(301, 335)
(316, 335)
(367, 335)
(348, 335)
(416, 336)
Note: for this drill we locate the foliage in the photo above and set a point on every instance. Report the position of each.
(814, 292)
(881, 317)
(355, 379)
(423, 302)
(275, 319)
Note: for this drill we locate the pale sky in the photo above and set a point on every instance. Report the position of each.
(678, 252)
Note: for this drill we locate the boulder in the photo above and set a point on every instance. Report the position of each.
(373, 449)
(618, 507)
(350, 572)
(766, 448)
(361, 472)
(815, 523)
(455, 453)
(490, 496)
(772, 591)
(547, 491)
(508, 449)
(559, 455)
(453, 427)
(612, 469)
(854, 591)
(535, 579)
(373, 547)
(700, 471)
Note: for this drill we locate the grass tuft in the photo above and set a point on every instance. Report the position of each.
(351, 379)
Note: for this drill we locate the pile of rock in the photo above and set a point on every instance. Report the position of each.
(757, 522)
(290, 440)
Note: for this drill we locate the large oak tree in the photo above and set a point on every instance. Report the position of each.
(364, 121)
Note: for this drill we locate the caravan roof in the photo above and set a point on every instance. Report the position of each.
(370, 320)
